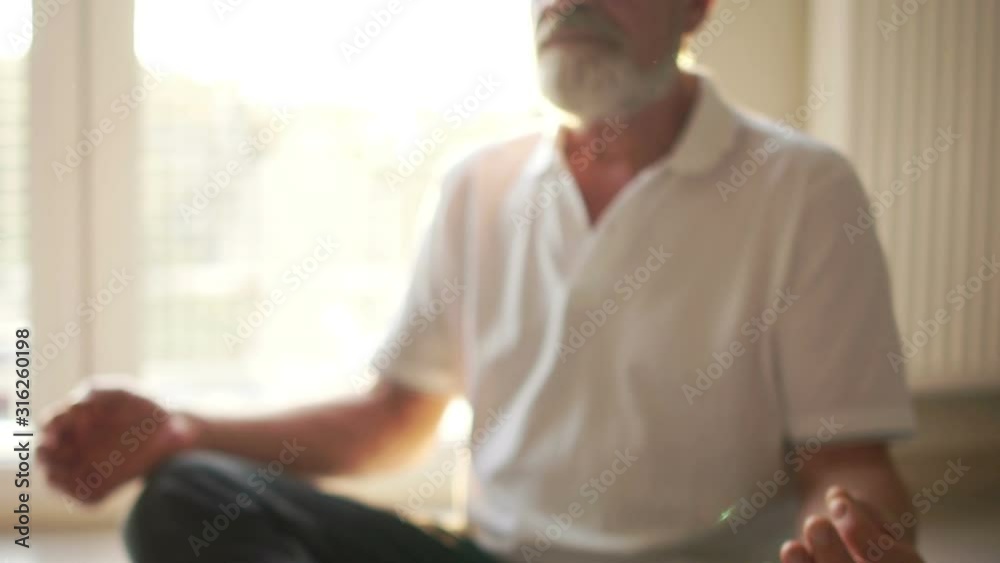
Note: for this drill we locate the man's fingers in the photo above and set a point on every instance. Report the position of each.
(49, 454)
(82, 423)
(836, 490)
(794, 552)
(63, 453)
(54, 429)
(57, 443)
(855, 523)
(824, 542)
(859, 526)
(53, 411)
(58, 476)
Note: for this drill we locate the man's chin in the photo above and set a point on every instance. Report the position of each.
(587, 90)
(580, 101)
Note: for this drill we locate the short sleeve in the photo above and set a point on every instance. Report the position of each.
(422, 348)
(835, 344)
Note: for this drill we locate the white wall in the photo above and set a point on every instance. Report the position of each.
(758, 52)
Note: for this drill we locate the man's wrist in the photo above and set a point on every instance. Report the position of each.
(189, 431)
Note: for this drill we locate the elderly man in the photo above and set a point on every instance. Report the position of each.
(688, 357)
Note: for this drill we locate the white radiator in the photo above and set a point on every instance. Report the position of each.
(908, 73)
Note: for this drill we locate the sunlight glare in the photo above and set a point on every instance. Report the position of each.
(293, 51)
(15, 28)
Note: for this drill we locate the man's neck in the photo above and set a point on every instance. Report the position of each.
(639, 139)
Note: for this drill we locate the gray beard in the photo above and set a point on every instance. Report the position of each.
(589, 88)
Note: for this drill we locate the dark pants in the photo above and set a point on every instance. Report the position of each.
(209, 508)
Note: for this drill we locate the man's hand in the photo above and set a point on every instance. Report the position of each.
(847, 534)
(107, 438)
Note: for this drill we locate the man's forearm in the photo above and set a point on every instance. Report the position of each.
(368, 433)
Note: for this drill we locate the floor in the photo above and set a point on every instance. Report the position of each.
(951, 532)
(102, 547)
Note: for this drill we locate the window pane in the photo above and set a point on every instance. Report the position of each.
(278, 125)
(16, 32)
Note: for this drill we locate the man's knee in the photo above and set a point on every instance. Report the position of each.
(182, 486)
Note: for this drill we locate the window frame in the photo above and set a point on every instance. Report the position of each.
(80, 59)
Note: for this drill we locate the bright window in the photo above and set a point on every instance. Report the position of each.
(276, 125)
(15, 271)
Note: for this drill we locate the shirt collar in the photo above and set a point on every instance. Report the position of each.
(704, 142)
(709, 134)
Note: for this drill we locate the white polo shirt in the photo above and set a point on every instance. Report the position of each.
(665, 373)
